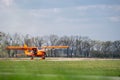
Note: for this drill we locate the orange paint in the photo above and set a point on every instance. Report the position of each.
(33, 51)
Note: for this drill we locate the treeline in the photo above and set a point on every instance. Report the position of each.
(79, 46)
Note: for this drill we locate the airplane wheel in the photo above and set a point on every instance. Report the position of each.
(32, 58)
(43, 57)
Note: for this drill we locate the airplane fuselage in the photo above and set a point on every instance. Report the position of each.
(39, 53)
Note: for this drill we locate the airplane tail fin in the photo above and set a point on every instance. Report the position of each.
(26, 50)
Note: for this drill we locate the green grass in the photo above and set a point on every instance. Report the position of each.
(60, 70)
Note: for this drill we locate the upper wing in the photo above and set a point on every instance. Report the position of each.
(54, 47)
(20, 48)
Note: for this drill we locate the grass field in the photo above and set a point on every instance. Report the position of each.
(60, 70)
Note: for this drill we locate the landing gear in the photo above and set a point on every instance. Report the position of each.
(44, 54)
(32, 57)
(43, 57)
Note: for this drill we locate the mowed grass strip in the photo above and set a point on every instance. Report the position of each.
(60, 70)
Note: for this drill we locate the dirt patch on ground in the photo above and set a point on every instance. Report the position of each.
(56, 59)
(76, 59)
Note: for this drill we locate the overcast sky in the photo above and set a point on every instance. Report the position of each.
(97, 19)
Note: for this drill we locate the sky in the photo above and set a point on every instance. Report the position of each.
(97, 19)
